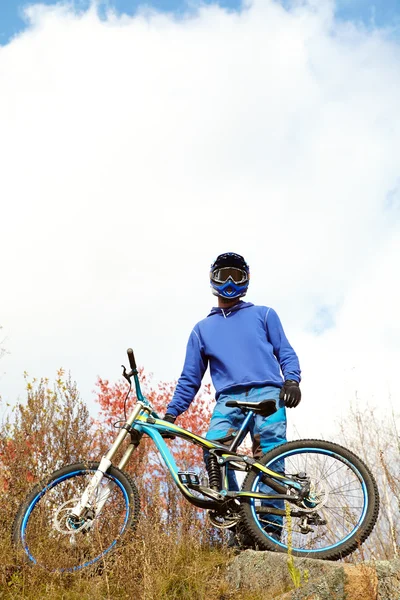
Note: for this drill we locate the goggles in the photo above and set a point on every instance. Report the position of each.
(222, 275)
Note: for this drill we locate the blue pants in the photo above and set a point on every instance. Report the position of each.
(266, 433)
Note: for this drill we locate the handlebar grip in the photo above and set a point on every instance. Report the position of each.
(231, 403)
(132, 361)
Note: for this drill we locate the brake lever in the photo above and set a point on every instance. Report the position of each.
(126, 375)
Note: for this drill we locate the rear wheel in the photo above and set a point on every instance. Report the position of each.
(51, 537)
(336, 516)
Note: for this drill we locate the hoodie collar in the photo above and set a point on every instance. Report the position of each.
(225, 312)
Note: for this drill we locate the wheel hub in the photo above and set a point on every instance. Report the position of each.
(316, 498)
(66, 522)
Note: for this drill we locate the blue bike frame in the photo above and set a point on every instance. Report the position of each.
(143, 420)
(154, 427)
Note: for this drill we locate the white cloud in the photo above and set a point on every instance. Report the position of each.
(133, 150)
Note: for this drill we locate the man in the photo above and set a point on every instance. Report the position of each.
(250, 359)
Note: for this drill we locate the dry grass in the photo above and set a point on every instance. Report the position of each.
(173, 554)
(155, 564)
(375, 438)
(170, 556)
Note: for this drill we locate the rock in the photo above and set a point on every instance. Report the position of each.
(268, 574)
(360, 581)
(388, 576)
(328, 587)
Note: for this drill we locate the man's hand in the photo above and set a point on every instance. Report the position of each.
(171, 419)
(290, 393)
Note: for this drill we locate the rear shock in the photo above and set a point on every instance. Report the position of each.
(214, 472)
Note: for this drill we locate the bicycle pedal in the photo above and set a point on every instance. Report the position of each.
(189, 478)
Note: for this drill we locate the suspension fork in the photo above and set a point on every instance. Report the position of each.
(110, 485)
(88, 496)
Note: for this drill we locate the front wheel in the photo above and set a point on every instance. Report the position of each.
(51, 537)
(336, 516)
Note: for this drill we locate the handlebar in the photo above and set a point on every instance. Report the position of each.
(132, 361)
(134, 373)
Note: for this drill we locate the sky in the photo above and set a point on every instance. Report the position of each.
(385, 13)
(136, 146)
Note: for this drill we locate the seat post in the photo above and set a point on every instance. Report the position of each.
(239, 437)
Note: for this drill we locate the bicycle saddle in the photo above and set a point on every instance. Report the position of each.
(265, 408)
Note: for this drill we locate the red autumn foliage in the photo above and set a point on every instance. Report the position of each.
(160, 498)
(111, 398)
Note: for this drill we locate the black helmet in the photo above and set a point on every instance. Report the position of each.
(229, 275)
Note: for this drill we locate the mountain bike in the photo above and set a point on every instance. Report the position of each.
(321, 498)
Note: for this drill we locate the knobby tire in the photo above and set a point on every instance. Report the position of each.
(53, 490)
(251, 521)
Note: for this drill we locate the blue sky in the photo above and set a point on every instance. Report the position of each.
(382, 13)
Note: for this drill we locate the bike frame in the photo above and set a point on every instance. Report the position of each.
(143, 420)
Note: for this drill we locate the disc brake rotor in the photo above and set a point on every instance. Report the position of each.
(317, 497)
(67, 523)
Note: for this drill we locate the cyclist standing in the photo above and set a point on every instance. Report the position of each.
(250, 359)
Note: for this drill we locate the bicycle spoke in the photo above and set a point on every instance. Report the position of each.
(50, 535)
(336, 487)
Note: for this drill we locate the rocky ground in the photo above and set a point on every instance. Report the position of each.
(268, 574)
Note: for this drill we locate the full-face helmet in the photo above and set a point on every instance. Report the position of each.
(229, 276)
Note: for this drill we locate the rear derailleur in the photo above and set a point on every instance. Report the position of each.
(310, 519)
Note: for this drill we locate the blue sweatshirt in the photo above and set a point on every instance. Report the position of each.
(245, 346)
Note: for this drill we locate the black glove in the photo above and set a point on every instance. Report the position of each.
(171, 419)
(290, 393)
